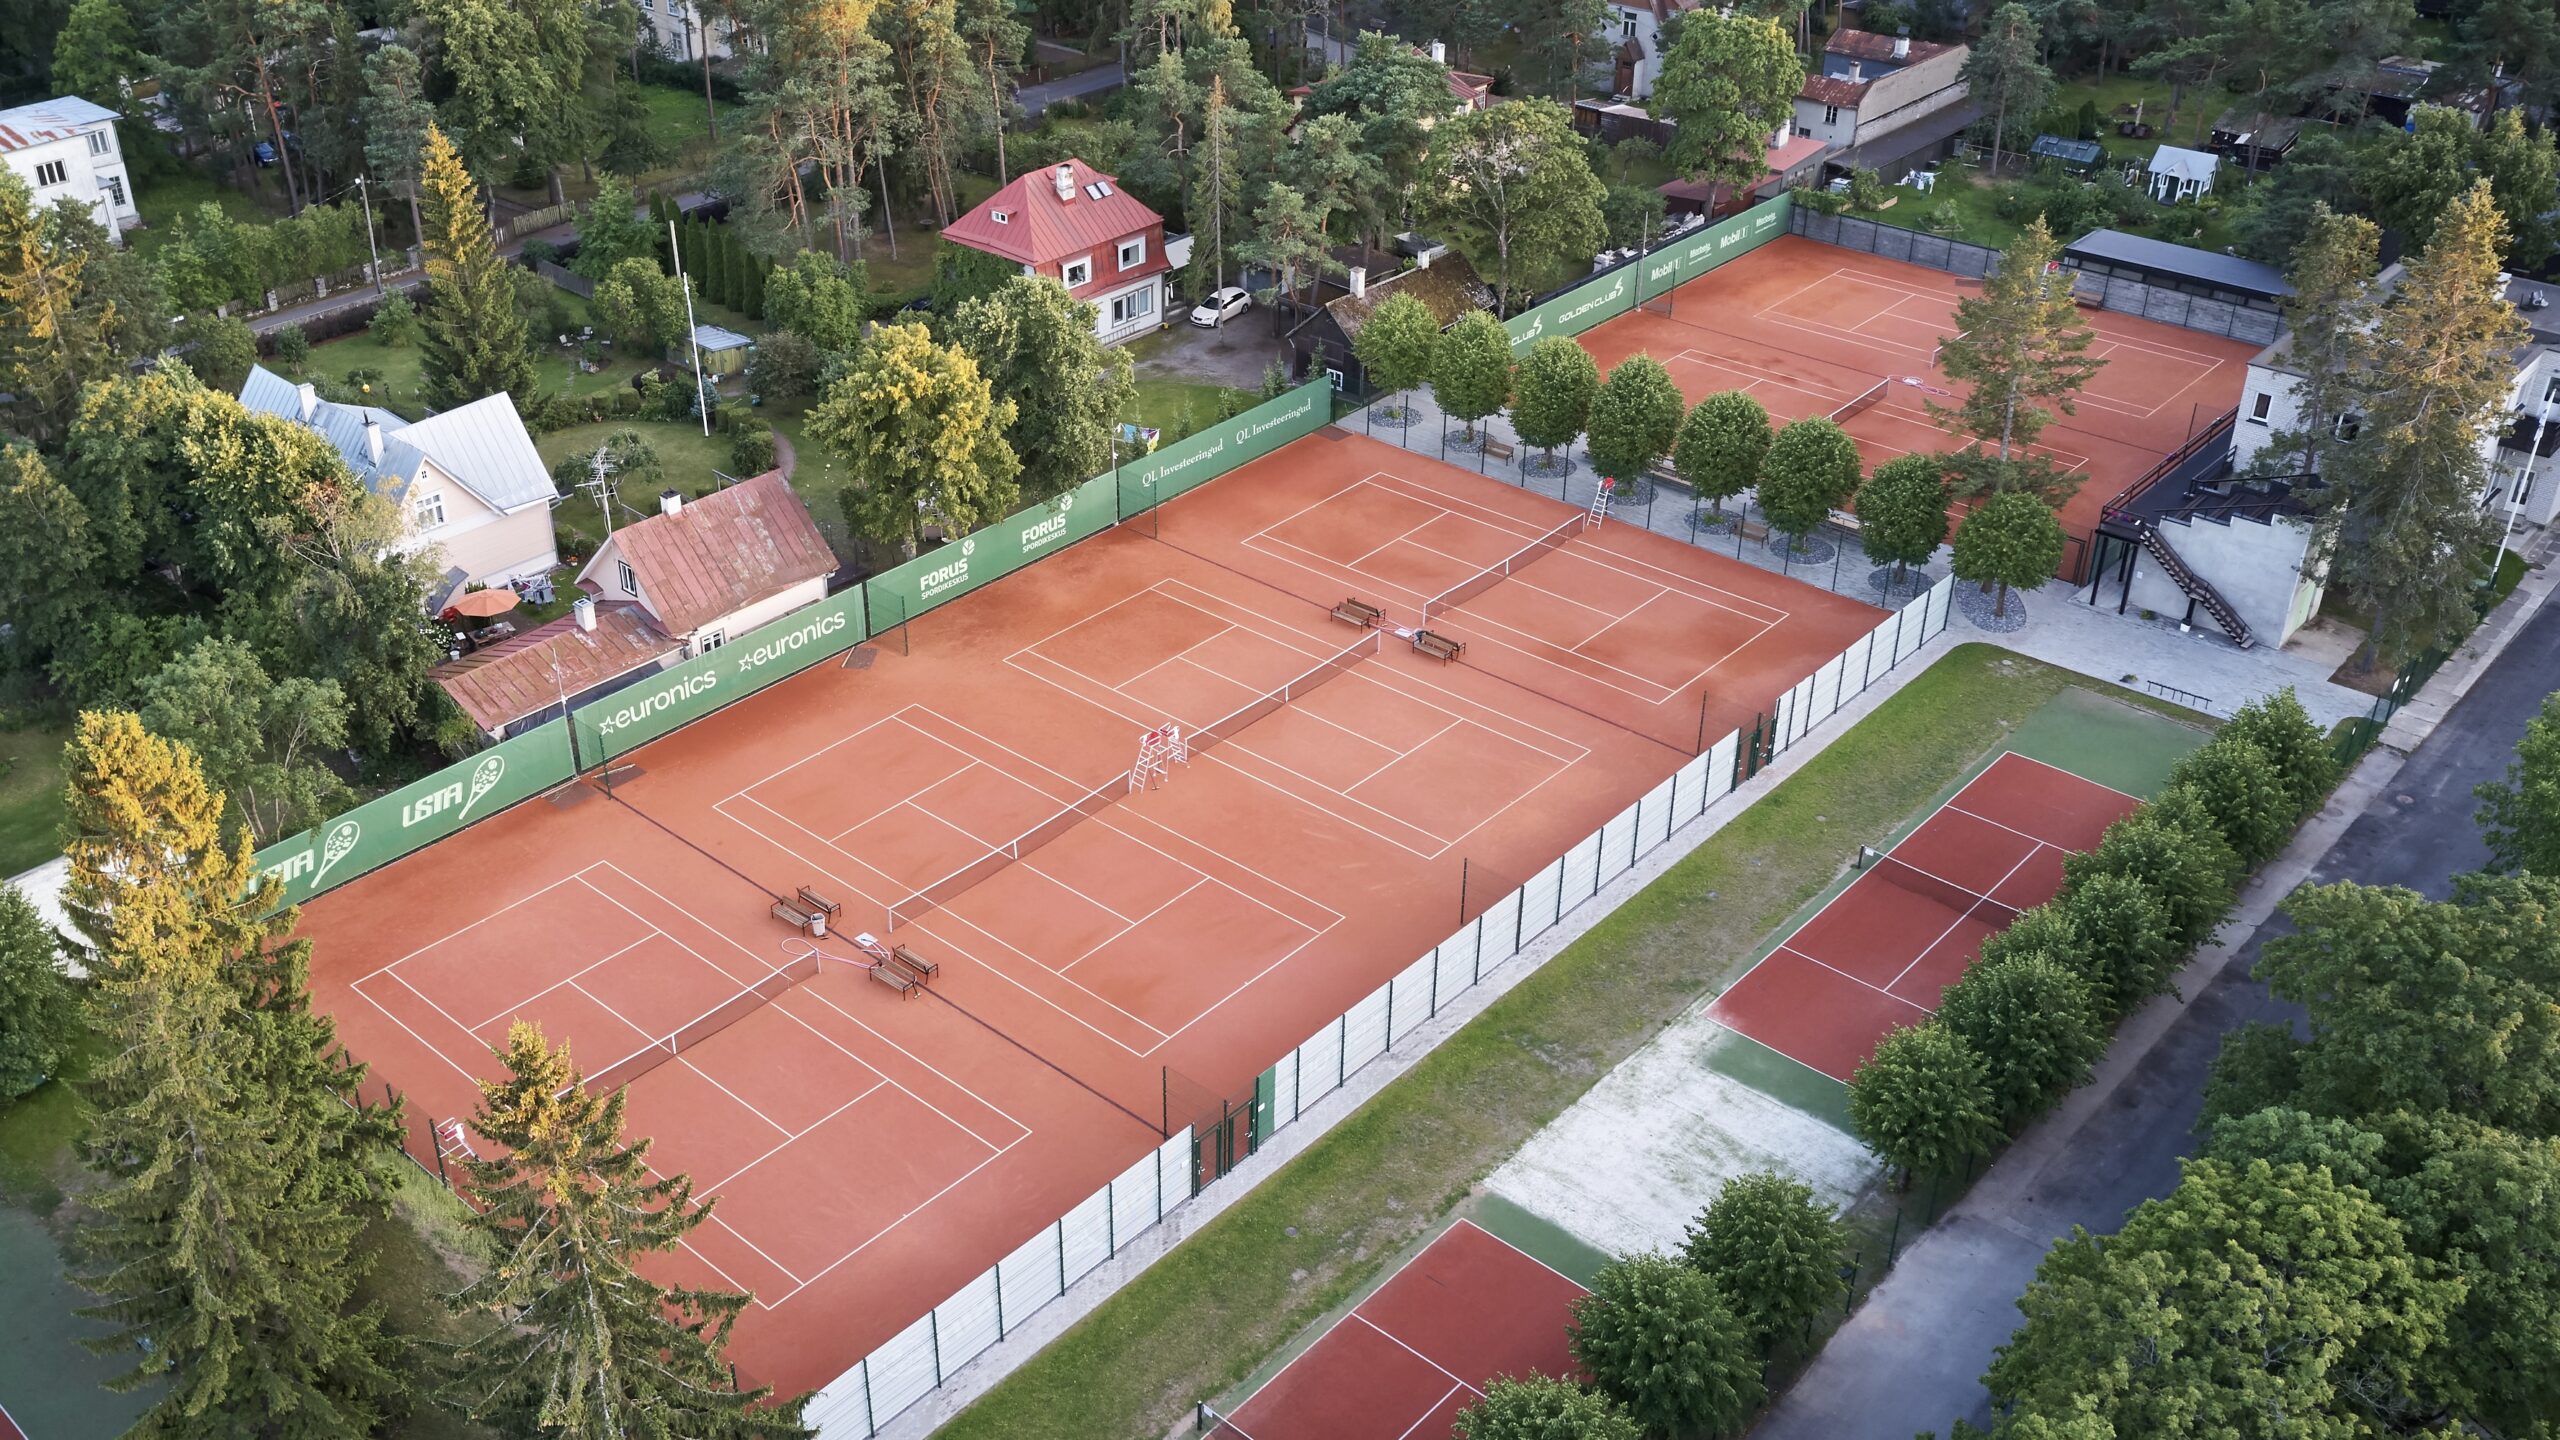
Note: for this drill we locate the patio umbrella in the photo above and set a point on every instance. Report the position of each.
(481, 604)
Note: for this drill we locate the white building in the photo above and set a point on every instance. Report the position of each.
(1075, 225)
(679, 31)
(1636, 27)
(66, 148)
(473, 489)
(1868, 86)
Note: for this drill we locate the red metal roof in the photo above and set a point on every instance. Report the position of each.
(515, 678)
(1834, 90)
(723, 552)
(1039, 228)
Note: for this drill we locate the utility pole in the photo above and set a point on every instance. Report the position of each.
(370, 248)
(600, 485)
(692, 351)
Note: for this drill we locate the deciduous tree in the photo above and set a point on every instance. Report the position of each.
(1902, 512)
(47, 558)
(49, 344)
(2124, 947)
(261, 741)
(1471, 369)
(1557, 381)
(1811, 470)
(1774, 1249)
(1635, 419)
(577, 1341)
(1658, 1337)
(610, 230)
(2035, 1025)
(1726, 83)
(1544, 1408)
(1722, 446)
(2172, 848)
(2297, 746)
(1517, 176)
(823, 301)
(474, 337)
(1922, 1102)
(2240, 788)
(2519, 814)
(2010, 540)
(1036, 347)
(921, 437)
(1395, 344)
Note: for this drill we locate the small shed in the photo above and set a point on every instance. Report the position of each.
(2078, 156)
(724, 352)
(2178, 173)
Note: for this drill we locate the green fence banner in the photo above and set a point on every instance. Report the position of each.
(681, 694)
(991, 553)
(1576, 310)
(380, 831)
(1188, 464)
(1689, 256)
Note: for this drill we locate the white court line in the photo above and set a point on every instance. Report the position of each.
(570, 979)
(403, 982)
(672, 1054)
(1788, 946)
(523, 899)
(892, 719)
(1402, 755)
(1126, 924)
(1354, 562)
(1399, 1342)
(1967, 912)
(1445, 1397)
(431, 1047)
(759, 832)
(879, 1082)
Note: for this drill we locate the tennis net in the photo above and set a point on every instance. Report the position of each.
(702, 1027)
(1093, 802)
(1904, 875)
(1865, 401)
(1483, 580)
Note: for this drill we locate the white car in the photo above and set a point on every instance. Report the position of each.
(1222, 305)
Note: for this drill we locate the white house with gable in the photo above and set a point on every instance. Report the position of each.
(65, 148)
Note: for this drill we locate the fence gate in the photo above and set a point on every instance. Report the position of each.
(1223, 1132)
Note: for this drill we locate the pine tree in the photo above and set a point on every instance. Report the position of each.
(2401, 528)
(2331, 316)
(2019, 342)
(222, 1242)
(39, 1011)
(472, 336)
(579, 1343)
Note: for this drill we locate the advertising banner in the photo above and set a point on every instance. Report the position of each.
(638, 714)
(1150, 480)
(909, 590)
(1576, 310)
(1694, 254)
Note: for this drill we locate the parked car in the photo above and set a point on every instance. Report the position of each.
(1222, 305)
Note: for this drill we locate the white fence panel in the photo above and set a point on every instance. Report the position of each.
(1364, 1031)
(1541, 902)
(1619, 843)
(1828, 690)
(1461, 957)
(1410, 1000)
(1284, 1090)
(967, 1323)
(1721, 760)
(1662, 815)
(1691, 785)
(1857, 663)
(901, 1372)
(1029, 1277)
(1502, 926)
(1581, 871)
(1135, 1204)
(1085, 1235)
(1320, 1067)
(1941, 599)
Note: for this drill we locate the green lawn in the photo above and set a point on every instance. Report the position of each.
(30, 797)
(1201, 1319)
(1182, 408)
(555, 368)
(163, 198)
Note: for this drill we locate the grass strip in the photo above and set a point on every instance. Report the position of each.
(1200, 1319)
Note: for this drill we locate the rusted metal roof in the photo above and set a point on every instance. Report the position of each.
(517, 677)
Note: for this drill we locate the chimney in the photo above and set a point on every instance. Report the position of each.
(585, 610)
(1786, 131)
(1359, 281)
(1422, 258)
(1902, 43)
(310, 401)
(1857, 72)
(670, 502)
(1066, 178)
(1438, 52)
(372, 440)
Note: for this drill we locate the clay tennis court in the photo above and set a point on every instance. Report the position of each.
(962, 790)
(1877, 956)
(1807, 328)
(1422, 1347)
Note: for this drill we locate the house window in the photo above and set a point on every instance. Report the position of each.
(1334, 378)
(429, 511)
(100, 142)
(1133, 252)
(709, 641)
(2258, 408)
(630, 582)
(1077, 272)
(1001, 217)
(51, 172)
(1626, 24)
(1830, 114)
(1136, 305)
(114, 186)
(2348, 426)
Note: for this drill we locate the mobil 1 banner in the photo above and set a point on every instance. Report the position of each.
(640, 713)
(1150, 480)
(380, 831)
(1700, 251)
(951, 571)
(1574, 311)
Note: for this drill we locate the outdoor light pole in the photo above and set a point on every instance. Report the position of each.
(369, 247)
(692, 346)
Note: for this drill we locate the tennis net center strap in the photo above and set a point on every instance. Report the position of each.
(1864, 401)
(1093, 802)
(1903, 875)
(702, 1027)
(1483, 580)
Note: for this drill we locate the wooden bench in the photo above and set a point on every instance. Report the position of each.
(1497, 450)
(1754, 530)
(1438, 646)
(813, 901)
(1358, 612)
(896, 979)
(916, 964)
(808, 922)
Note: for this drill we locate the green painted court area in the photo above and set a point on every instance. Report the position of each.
(2092, 735)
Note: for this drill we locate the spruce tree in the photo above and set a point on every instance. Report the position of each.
(579, 1343)
(221, 1243)
(472, 336)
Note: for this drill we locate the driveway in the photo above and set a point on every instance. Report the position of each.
(1036, 98)
(1232, 355)
(1913, 1355)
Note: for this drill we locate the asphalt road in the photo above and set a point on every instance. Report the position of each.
(1912, 1357)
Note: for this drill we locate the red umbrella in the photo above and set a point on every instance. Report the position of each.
(480, 604)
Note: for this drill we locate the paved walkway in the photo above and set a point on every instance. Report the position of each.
(1034, 99)
(2062, 628)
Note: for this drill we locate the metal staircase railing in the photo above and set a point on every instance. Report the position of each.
(2196, 586)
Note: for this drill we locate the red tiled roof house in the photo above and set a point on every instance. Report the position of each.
(1073, 224)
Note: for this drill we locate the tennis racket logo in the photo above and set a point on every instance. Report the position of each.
(484, 778)
(337, 846)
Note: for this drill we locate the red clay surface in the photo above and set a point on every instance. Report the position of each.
(870, 1155)
(1879, 954)
(1807, 327)
(1406, 1360)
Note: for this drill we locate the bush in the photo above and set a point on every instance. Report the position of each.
(395, 320)
(2121, 940)
(751, 451)
(1773, 1249)
(1922, 1102)
(219, 349)
(292, 347)
(2285, 732)
(2173, 847)
(1544, 1408)
(1657, 1337)
(2036, 1026)
(2245, 794)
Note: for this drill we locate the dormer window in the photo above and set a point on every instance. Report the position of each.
(1133, 252)
(1077, 272)
(1001, 217)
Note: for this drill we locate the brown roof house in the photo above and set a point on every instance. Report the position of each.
(1321, 341)
(1867, 87)
(681, 583)
(1075, 225)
